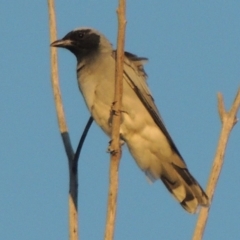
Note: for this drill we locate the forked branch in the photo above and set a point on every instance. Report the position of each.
(73, 191)
(228, 119)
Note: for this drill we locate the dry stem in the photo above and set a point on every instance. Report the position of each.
(73, 191)
(116, 120)
(228, 120)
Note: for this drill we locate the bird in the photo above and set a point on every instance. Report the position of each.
(142, 127)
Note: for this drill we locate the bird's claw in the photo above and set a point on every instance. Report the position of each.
(110, 149)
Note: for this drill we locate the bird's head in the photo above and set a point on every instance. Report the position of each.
(84, 41)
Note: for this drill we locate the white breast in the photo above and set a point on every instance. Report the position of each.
(97, 86)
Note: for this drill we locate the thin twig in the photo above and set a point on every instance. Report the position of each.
(116, 120)
(73, 188)
(82, 139)
(228, 120)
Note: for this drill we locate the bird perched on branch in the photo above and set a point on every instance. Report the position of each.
(142, 128)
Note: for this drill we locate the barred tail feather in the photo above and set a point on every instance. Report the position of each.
(184, 187)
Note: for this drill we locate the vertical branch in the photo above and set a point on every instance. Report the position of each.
(73, 217)
(228, 120)
(116, 121)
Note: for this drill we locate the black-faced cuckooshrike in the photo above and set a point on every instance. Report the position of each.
(142, 127)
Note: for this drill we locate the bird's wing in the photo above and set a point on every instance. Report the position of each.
(136, 77)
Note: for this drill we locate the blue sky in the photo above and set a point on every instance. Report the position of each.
(194, 52)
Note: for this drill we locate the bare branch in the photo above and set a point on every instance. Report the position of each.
(228, 121)
(221, 108)
(116, 120)
(73, 192)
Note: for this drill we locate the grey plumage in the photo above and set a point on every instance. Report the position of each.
(142, 127)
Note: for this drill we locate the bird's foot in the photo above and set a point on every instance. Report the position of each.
(111, 150)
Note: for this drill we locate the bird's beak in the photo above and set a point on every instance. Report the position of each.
(61, 43)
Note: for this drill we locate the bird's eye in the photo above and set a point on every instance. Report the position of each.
(81, 34)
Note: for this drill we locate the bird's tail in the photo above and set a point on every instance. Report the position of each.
(184, 187)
